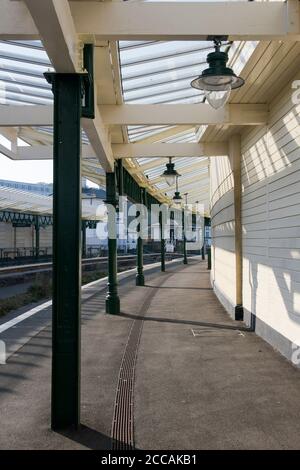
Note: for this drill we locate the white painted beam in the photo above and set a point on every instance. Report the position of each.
(167, 21)
(5, 151)
(16, 21)
(184, 114)
(55, 23)
(169, 150)
(26, 115)
(42, 152)
(138, 114)
(160, 21)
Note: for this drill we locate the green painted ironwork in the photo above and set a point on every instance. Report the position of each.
(27, 218)
(162, 244)
(37, 236)
(209, 258)
(127, 185)
(185, 261)
(30, 219)
(83, 244)
(88, 108)
(112, 298)
(67, 90)
(140, 278)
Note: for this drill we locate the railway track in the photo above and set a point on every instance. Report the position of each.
(89, 264)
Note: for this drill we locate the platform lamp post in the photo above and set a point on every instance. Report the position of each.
(185, 261)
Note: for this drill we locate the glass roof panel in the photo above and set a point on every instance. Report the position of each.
(22, 65)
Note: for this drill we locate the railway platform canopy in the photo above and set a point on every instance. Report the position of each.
(190, 109)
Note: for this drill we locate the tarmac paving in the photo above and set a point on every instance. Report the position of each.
(200, 379)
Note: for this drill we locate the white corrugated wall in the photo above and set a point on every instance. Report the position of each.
(222, 222)
(271, 226)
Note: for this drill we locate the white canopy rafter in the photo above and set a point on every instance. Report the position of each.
(55, 24)
(169, 150)
(161, 21)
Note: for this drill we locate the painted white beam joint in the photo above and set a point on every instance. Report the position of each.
(184, 114)
(186, 21)
(159, 21)
(55, 23)
(169, 150)
(138, 114)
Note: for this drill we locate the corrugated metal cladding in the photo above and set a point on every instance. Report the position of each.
(271, 225)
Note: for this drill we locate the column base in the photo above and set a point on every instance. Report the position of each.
(239, 313)
(140, 280)
(185, 261)
(112, 305)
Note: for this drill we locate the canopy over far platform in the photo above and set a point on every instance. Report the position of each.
(27, 202)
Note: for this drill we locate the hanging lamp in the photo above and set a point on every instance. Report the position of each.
(217, 80)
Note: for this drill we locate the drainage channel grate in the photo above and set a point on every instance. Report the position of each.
(122, 427)
(122, 433)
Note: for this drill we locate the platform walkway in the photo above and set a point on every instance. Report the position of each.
(199, 380)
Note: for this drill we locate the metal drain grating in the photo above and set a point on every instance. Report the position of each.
(122, 427)
(122, 433)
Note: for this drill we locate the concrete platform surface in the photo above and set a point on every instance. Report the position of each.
(201, 380)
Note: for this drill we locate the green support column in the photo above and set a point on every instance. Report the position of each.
(162, 245)
(140, 279)
(112, 298)
(209, 258)
(67, 90)
(37, 236)
(83, 239)
(185, 261)
(121, 177)
(203, 252)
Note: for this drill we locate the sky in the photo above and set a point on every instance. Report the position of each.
(34, 171)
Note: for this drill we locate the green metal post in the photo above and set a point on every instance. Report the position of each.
(140, 278)
(121, 177)
(209, 258)
(67, 90)
(185, 261)
(162, 245)
(37, 236)
(203, 252)
(83, 225)
(112, 298)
